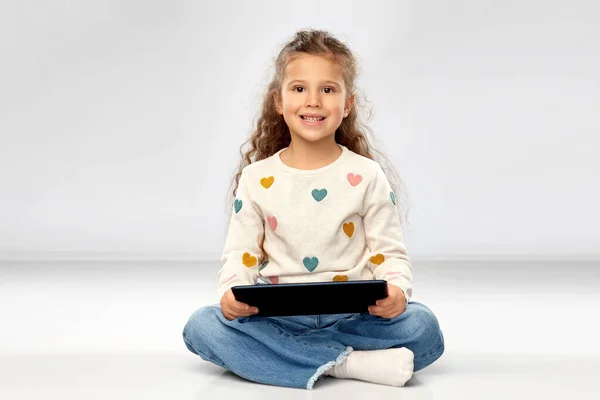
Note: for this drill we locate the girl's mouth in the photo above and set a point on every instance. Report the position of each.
(312, 120)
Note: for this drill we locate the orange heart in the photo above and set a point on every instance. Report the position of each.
(340, 278)
(378, 259)
(349, 229)
(248, 260)
(267, 182)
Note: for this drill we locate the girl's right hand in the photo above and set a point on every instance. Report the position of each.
(233, 309)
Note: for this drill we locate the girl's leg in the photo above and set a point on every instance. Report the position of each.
(417, 329)
(279, 351)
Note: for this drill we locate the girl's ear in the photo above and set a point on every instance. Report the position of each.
(277, 100)
(349, 102)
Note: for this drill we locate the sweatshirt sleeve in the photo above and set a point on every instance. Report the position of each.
(241, 255)
(388, 259)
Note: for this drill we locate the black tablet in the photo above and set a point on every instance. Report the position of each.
(312, 298)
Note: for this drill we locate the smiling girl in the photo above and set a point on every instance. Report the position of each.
(312, 205)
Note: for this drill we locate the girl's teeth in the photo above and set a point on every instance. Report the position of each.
(311, 119)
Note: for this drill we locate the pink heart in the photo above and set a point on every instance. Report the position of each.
(274, 280)
(272, 222)
(354, 179)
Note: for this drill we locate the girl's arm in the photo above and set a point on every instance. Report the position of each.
(388, 260)
(241, 256)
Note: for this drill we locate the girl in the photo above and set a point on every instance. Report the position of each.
(312, 205)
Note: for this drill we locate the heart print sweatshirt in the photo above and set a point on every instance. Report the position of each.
(335, 223)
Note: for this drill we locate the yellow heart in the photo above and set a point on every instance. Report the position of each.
(349, 229)
(340, 278)
(267, 182)
(378, 259)
(248, 260)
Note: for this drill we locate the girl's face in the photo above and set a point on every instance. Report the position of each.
(313, 86)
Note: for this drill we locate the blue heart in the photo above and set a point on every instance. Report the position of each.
(311, 263)
(237, 204)
(319, 195)
(393, 197)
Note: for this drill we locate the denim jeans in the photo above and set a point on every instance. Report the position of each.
(295, 351)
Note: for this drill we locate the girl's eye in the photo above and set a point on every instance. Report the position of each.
(330, 89)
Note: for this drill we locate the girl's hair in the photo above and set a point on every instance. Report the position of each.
(271, 133)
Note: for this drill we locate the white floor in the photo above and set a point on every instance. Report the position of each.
(91, 330)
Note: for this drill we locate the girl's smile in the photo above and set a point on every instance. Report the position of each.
(312, 120)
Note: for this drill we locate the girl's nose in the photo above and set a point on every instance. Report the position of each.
(313, 100)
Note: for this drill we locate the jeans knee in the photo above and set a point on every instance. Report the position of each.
(427, 335)
(198, 328)
(426, 325)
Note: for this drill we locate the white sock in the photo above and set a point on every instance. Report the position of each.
(388, 367)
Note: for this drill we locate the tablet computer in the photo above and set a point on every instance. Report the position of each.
(312, 298)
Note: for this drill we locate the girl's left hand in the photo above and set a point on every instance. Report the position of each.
(391, 306)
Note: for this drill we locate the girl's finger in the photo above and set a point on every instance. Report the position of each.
(236, 310)
(236, 306)
(383, 307)
(384, 302)
(240, 307)
(244, 310)
(375, 310)
(244, 313)
(232, 313)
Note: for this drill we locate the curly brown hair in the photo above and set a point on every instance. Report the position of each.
(271, 133)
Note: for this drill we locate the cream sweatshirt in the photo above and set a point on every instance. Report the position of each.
(335, 223)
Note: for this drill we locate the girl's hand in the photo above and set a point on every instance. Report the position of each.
(391, 306)
(233, 309)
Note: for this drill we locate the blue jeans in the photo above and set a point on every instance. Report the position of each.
(295, 351)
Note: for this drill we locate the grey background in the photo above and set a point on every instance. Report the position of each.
(120, 121)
